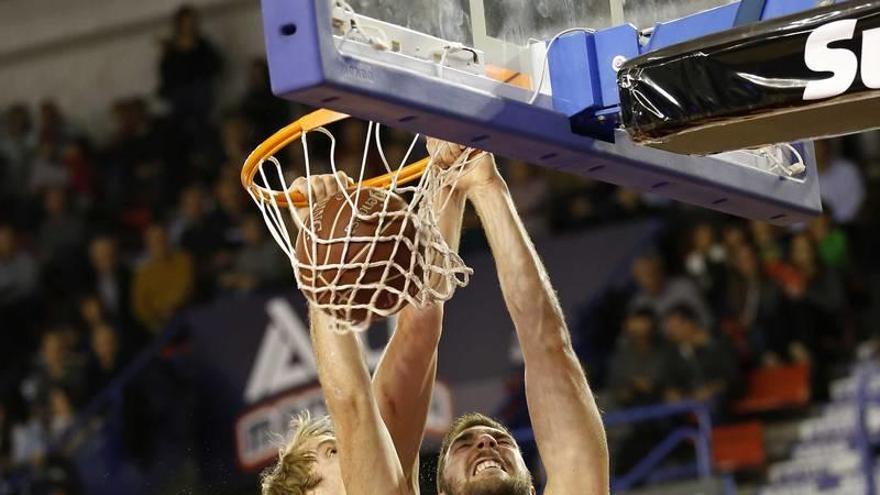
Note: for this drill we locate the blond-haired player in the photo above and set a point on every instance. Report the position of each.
(372, 444)
(479, 456)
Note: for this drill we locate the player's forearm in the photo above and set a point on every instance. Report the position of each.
(530, 299)
(566, 421)
(568, 426)
(368, 461)
(450, 208)
(343, 375)
(404, 380)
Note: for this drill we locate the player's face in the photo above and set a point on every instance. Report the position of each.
(485, 461)
(327, 469)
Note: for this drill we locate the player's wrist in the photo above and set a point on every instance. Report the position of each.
(493, 184)
(452, 195)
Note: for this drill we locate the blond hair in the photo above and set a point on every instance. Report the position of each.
(292, 474)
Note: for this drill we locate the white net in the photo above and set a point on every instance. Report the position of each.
(359, 274)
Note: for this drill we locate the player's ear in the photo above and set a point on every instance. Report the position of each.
(533, 490)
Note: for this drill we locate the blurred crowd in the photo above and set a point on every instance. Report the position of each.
(717, 298)
(714, 298)
(104, 238)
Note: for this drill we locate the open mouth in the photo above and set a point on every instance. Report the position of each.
(487, 465)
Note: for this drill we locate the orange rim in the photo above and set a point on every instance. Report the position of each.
(291, 132)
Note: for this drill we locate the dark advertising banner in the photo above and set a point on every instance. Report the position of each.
(255, 371)
(807, 75)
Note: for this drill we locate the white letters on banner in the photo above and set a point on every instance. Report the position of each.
(284, 372)
(841, 62)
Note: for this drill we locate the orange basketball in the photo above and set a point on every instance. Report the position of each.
(367, 272)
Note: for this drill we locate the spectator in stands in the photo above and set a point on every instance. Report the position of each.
(640, 367)
(226, 218)
(577, 204)
(193, 231)
(815, 300)
(104, 360)
(766, 238)
(56, 366)
(61, 238)
(5, 439)
(53, 127)
(53, 135)
(659, 293)
(626, 204)
(110, 280)
(47, 169)
(133, 159)
(29, 440)
(187, 226)
(704, 366)
(163, 283)
(843, 186)
(706, 262)
(61, 412)
(62, 232)
(266, 112)
(259, 263)
(752, 311)
(18, 271)
(640, 363)
(237, 138)
(19, 276)
(17, 148)
(831, 242)
(91, 312)
(78, 160)
(733, 237)
(188, 70)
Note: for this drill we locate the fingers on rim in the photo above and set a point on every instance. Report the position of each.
(318, 189)
(299, 186)
(345, 179)
(331, 187)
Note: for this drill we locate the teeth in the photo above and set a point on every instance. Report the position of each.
(484, 465)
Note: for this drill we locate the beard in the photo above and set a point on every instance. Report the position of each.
(494, 486)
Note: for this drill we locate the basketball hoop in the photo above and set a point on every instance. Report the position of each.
(355, 276)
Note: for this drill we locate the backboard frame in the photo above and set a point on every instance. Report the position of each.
(306, 66)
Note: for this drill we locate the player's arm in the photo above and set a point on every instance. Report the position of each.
(367, 457)
(566, 421)
(404, 379)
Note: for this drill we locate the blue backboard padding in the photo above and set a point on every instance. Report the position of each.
(610, 43)
(750, 11)
(307, 70)
(779, 8)
(573, 74)
(693, 26)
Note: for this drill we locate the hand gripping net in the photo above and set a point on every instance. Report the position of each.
(434, 270)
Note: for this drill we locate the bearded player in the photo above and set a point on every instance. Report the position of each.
(479, 456)
(371, 446)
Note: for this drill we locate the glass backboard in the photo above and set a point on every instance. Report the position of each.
(484, 73)
(504, 29)
(517, 21)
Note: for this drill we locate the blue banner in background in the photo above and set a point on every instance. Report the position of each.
(255, 370)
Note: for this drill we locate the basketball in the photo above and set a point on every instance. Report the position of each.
(367, 272)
